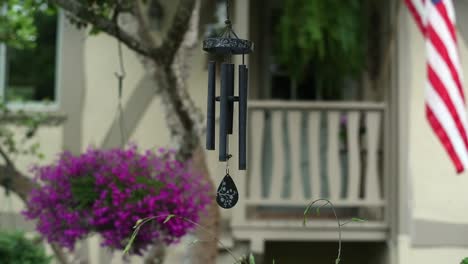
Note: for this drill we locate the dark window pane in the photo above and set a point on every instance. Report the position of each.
(30, 73)
(281, 87)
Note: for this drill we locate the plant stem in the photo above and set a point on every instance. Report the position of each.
(328, 202)
(167, 217)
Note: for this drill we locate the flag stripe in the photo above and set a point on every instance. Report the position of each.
(442, 50)
(443, 73)
(440, 132)
(440, 89)
(442, 116)
(448, 21)
(443, 31)
(445, 97)
(417, 14)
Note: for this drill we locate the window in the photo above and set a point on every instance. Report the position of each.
(28, 76)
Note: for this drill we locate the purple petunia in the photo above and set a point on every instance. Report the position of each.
(107, 191)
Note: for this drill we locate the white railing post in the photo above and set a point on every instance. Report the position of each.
(277, 177)
(333, 155)
(313, 130)
(354, 155)
(294, 126)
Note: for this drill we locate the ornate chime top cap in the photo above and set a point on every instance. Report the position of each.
(224, 46)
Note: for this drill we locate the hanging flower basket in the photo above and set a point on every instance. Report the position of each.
(107, 191)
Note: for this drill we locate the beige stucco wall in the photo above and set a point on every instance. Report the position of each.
(436, 192)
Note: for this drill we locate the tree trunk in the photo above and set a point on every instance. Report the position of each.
(205, 252)
(157, 254)
(13, 180)
(20, 184)
(185, 136)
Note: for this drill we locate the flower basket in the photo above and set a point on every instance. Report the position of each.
(107, 191)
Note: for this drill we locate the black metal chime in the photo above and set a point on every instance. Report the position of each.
(227, 45)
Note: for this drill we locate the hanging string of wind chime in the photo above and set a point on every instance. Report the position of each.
(120, 75)
(120, 78)
(227, 45)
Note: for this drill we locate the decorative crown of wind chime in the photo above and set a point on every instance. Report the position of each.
(227, 45)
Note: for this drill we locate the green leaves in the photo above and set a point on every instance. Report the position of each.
(325, 34)
(83, 191)
(17, 129)
(357, 220)
(251, 259)
(15, 248)
(464, 261)
(169, 217)
(17, 27)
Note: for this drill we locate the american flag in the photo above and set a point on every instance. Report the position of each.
(445, 99)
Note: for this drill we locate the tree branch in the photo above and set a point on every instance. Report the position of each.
(19, 183)
(106, 25)
(176, 34)
(144, 29)
(7, 159)
(22, 185)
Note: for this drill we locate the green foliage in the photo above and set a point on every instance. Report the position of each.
(13, 143)
(17, 28)
(25, 81)
(329, 34)
(84, 191)
(10, 140)
(15, 248)
(464, 261)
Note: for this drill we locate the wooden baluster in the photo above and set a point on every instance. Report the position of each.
(372, 188)
(354, 160)
(333, 155)
(277, 177)
(294, 126)
(256, 127)
(314, 154)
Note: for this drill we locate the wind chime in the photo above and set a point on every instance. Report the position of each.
(227, 45)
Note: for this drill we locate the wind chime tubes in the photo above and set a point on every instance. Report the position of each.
(227, 45)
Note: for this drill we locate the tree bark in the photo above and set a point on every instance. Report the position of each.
(184, 119)
(206, 251)
(22, 185)
(13, 180)
(156, 254)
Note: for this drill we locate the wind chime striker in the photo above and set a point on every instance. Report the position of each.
(227, 45)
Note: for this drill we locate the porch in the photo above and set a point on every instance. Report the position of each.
(301, 151)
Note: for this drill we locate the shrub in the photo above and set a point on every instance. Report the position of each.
(15, 248)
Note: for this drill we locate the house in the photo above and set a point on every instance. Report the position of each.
(372, 153)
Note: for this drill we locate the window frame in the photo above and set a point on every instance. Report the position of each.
(37, 106)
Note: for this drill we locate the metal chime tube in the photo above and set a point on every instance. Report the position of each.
(230, 83)
(211, 106)
(243, 85)
(224, 108)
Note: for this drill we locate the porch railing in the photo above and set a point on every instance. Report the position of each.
(301, 151)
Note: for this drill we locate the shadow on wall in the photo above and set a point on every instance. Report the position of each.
(461, 8)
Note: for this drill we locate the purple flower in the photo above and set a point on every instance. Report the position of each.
(107, 191)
